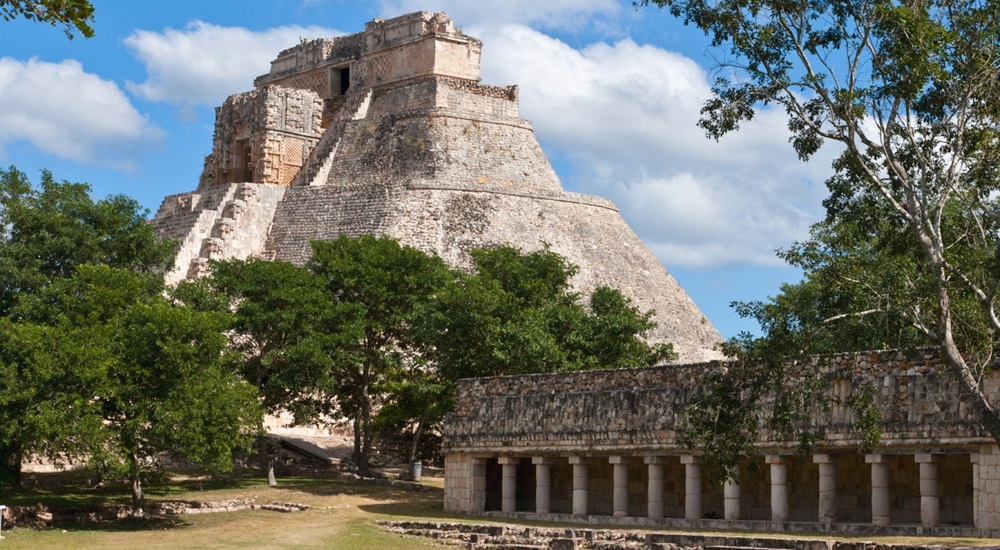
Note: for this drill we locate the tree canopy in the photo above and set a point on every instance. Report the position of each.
(908, 91)
(379, 332)
(117, 372)
(516, 313)
(97, 362)
(70, 14)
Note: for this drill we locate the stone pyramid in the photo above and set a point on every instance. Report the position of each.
(389, 131)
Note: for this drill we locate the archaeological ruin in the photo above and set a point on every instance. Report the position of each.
(602, 447)
(390, 132)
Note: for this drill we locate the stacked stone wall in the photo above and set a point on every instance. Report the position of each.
(319, 54)
(639, 409)
(216, 224)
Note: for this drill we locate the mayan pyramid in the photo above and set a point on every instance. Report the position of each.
(389, 131)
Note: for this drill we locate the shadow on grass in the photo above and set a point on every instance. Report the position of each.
(152, 523)
(409, 510)
(331, 487)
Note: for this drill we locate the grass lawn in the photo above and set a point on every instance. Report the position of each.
(341, 516)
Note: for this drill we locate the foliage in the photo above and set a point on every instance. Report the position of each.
(379, 332)
(46, 233)
(909, 92)
(517, 314)
(378, 286)
(49, 230)
(78, 14)
(280, 315)
(120, 373)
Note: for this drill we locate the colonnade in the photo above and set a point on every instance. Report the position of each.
(778, 465)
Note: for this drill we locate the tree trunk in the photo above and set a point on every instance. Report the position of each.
(357, 443)
(415, 442)
(953, 356)
(138, 498)
(366, 437)
(11, 457)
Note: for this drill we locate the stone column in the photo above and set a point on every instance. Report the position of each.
(731, 493)
(779, 488)
(976, 490)
(827, 487)
(930, 500)
(654, 488)
(478, 484)
(509, 486)
(543, 483)
(692, 486)
(620, 495)
(880, 488)
(580, 474)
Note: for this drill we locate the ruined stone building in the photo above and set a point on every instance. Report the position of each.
(389, 132)
(601, 447)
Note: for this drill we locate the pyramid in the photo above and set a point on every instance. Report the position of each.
(390, 132)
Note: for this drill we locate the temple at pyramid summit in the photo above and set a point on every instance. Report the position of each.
(390, 132)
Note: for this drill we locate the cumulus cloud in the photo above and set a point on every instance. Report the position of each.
(67, 112)
(547, 13)
(625, 116)
(204, 63)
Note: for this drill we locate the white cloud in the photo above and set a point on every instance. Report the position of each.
(204, 63)
(67, 112)
(547, 13)
(625, 115)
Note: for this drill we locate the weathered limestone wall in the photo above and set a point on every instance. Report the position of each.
(263, 136)
(987, 477)
(637, 409)
(216, 224)
(934, 471)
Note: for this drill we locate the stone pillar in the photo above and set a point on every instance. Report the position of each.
(827, 487)
(543, 483)
(692, 486)
(731, 493)
(930, 500)
(509, 487)
(976, 490)
(654, 488)
(880, 488)
(478, 484)
(779, 488)
(580, 474)
(620, 495)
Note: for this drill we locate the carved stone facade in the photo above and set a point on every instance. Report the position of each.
(389, 131)
(602, 447)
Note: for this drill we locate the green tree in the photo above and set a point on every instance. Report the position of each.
(71, 14)
(49, 230)
(379, 285)
(138, 373)
(517, 314)
(908, 91)
(46, 233)
(282, 316)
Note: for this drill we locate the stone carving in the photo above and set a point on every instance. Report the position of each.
(224, 228)
(234, 209)
(212, 248)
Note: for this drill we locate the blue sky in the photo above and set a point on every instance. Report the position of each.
(613, 93)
